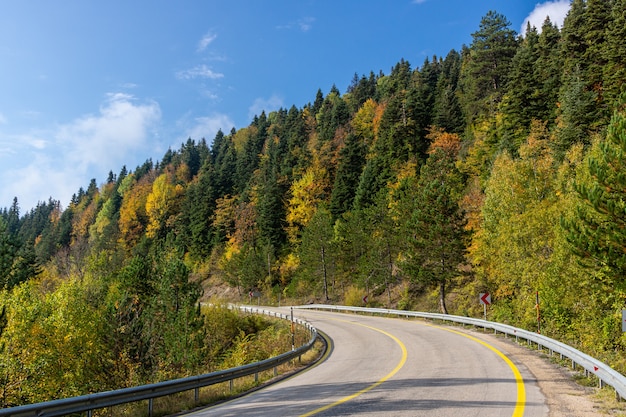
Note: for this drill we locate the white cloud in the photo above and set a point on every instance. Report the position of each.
(305, 24)
(557, 10)
(87, 147)
(206, 40)
(260, 104)
(207, 127)
(3, 119)
(103, 139)
(199, 71)
(32, 140)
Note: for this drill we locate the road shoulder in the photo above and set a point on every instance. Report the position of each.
(564, 396)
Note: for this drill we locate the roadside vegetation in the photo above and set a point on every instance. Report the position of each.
(498, 168)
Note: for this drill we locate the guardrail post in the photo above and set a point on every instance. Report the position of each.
(196, 395)
(231, 385)
(150, 407)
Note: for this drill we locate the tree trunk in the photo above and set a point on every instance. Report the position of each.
(442, 297)
(390, 278)
(325, 277)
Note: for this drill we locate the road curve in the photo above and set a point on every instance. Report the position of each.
(396, 367)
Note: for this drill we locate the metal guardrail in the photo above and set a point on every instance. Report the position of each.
(90, 402)
(604, 373)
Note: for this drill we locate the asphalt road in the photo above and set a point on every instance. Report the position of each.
(396, 367)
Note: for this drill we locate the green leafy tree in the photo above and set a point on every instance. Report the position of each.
(512, 249)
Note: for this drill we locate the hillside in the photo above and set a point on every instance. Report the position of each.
(497, 168)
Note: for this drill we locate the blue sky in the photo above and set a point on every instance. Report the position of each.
(89, 86)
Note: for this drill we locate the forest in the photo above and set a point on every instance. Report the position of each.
(498, 168)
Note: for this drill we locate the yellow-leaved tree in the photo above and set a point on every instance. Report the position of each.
(162, 204)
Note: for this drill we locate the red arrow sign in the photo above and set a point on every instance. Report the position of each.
(485, 298)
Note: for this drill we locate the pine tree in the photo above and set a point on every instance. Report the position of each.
(522, 102)
(271, 209)
(573, 45)
(447, 112)
(350, 166)
(548, 70)
(317, 251)
(436, 229)
(295, 136)
(615, 54)
(224, 157)
(597, 233)
(197, 213)
(13, 218)
(486, 66)
(576, 118)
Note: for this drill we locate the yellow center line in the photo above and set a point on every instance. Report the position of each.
(372, 386)
(519, 381)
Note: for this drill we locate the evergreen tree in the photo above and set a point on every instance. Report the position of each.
(573, 44)
(248, 160)
(8, 250)
(13, 218)
(360, 90)
(447, 112)
(224, 156)
(350, 166)
(597, 233)
(17, 260)
(333, 114)
(486, 66)
(597, 20)
(522, 102)
(271, 208)
(436, 229)
(615, 54)
(548, 70)
(376, 173)
(576, 118)
(317, 252)
(297, 156)
(197, 213)
(317, 104)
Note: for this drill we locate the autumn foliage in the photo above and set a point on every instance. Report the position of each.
(420, 188)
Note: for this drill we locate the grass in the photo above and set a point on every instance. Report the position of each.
(214, 394)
